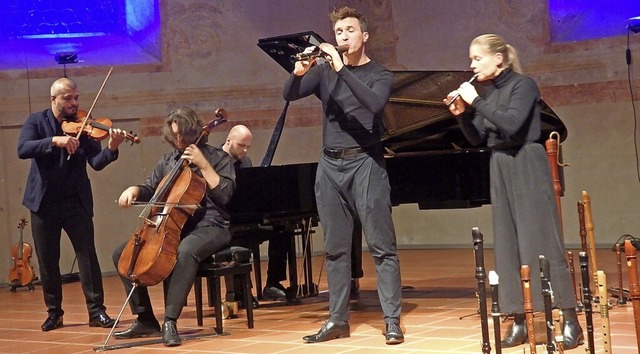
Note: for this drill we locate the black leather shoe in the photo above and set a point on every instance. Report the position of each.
(170, 334)
(254, 301)
(328, 331)
(52, 322)
(274, 292)
(393, 334)
(138, 330)
(354, 293)
(517, 333)
(572, 335)
(102, 320)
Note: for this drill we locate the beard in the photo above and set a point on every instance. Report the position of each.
(69, 114)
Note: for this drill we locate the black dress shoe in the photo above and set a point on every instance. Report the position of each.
(572, 335)
(52, 322)
(139, 329)
(393, 334)
(517, 333)
(274, 292)
(254, 302)
(102, 320)
(354, 293)
(328, 331)
(170, 334)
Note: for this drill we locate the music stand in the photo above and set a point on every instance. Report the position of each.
(283, 48)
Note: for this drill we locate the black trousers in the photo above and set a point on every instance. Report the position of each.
(47, 225)
(194, 247)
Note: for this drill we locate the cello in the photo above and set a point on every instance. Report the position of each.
(151, 253)
(22, 273)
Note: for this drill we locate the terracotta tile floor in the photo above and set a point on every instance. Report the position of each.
(439, 316)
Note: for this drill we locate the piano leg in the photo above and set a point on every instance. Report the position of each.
(307, 288)
(310, 289)
(294, 289)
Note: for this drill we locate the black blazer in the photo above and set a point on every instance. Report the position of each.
(35, 143)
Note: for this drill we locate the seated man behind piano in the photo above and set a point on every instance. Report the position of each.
(237, 144)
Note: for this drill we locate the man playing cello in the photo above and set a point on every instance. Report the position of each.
(203, 234)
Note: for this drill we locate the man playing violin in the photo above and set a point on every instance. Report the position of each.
(204, 233)
(58, 194)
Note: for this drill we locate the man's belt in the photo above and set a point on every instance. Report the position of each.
(346, 153)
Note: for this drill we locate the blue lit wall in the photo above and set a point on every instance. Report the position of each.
(32, 31)
(577, 20)
(31, 19)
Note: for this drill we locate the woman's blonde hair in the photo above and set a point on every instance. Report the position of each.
(495, 44)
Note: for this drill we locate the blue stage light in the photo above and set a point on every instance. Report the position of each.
(103, 32)
(634, 24)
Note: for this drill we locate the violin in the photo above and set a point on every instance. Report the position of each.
(22, 273)
(151, 253)
(97, 129)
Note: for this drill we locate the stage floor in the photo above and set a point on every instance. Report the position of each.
(439, 316)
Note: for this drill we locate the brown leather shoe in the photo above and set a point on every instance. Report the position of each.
(328, 331)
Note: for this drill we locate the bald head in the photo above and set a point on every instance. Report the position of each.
(64, 98)
(62, 85)
(238, 142)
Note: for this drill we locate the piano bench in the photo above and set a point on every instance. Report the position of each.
(234, 261)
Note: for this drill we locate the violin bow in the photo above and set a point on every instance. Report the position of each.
(86, 118)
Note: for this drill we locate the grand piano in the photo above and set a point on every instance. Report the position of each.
(429, 162)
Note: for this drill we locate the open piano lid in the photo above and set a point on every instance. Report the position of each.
(283, 48)
(416, 119)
